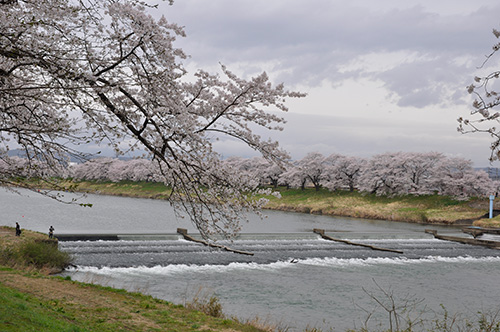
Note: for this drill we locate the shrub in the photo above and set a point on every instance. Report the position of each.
(208, 304)
(34, 252)
(43, 253)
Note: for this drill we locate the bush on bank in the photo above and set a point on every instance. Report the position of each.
(32, 250)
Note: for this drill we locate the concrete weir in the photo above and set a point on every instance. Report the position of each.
(87, 237)
(187, 237)
(474, 241)
(116, 237)
(321, 232)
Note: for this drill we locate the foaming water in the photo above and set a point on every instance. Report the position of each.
(280, 265)
(301, 282)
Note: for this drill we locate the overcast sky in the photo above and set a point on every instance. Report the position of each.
(381, 76)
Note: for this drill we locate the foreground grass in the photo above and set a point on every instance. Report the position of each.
(31, 300)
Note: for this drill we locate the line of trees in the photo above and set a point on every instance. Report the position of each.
(399, 173)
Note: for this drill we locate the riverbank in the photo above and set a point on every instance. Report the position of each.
(32, 300)
(416, 209)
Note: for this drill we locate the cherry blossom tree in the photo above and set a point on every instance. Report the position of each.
(114, 169)
(310, 169)
(421, 169)
(486, 92)
(266, 172)
(456, 177)
(119, 170)
(272, 173)
(142, 170)
(343, 172)
(243, 167)
(384, 174)
(313, 165)
(294, 177)
(238, 164)
(400, 173)
(403, 173)
(106, 72)
(18, 165)
(96, 169)
(132, 170)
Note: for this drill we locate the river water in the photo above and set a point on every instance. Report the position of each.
(294, 278)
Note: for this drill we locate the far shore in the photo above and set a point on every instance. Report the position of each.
(428, 209)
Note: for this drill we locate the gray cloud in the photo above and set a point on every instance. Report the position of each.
(438, 44)
(308, 42)
(366, 137)
(426, 82)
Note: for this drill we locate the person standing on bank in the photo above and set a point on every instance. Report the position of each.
(18, 229)
(51, 232)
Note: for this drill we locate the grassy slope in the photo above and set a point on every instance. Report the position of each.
(33, 301)
(422, 209)
(123, 188)
(426, 209)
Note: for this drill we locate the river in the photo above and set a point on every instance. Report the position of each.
(294, 278)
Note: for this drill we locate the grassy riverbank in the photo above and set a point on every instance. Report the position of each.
(34, 301)
(417, 209)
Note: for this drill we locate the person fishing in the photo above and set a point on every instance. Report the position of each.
(51, 232)
(18, 229)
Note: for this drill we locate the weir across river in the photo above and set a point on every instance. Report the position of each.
(116, 237)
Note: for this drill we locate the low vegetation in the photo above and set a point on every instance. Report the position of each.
(418, 209)
(31, 250)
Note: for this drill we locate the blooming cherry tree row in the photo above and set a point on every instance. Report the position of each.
(389, 174)
(400, 173)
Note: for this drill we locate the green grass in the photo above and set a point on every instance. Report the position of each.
(22, 312)
(114, 311)
(31, 249)
(43, 253)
